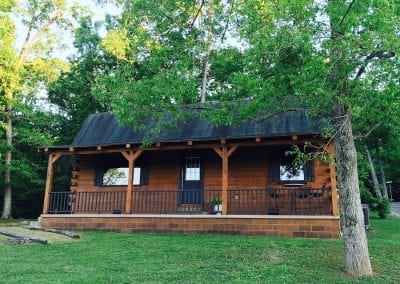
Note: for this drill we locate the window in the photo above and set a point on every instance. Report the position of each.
(192, 172)
(136, 176)
(115, 176)
(119, 176)
(288, 171)
(281, 169)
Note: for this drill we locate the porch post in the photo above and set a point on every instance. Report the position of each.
(49, 181)
(224, 153)
(334, 191)
(225, 173)
(131, 156)
(128, 205)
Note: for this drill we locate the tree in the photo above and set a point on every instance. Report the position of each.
(24, 71)
(381, 168)
(338, 58)
(71, 92)
(375, 182)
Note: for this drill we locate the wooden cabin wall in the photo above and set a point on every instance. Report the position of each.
(164, 171)
(248, 169)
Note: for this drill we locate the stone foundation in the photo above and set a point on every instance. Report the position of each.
(269, 225)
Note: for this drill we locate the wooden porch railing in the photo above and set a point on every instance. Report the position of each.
(270, 201)
(174, 201)
(282, 201)
(87, 202)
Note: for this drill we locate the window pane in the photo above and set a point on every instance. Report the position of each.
(136, 176)
(116, 176)
(287, 173)
(192, 168)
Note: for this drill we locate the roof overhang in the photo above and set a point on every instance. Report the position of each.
(180, 145)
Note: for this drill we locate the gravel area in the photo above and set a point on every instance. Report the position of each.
(395, 209)
(51, 237)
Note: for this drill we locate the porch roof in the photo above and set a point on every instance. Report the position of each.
(104, 129)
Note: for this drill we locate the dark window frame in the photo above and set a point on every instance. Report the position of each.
(276, 160)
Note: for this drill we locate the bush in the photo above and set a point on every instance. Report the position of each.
(366, 197)
(382, 206)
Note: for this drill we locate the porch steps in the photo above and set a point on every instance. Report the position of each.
(34, 224)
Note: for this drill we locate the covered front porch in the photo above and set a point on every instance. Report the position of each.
(248, 177)
(270, 201)
(174, 187)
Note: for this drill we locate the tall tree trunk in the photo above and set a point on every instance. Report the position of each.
(381, 170)
(205, 76)
(375, 181)
(7, 175)
(206, 66)
(355, 240)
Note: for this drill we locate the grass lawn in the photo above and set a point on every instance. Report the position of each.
(144, 257)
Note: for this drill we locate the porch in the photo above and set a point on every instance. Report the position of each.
(172, 188)
(270, 201)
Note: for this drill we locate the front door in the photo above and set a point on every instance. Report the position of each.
(192, 185)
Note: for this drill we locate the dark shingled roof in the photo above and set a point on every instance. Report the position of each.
(104, 129)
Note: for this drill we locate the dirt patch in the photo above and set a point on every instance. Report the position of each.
(51, 237)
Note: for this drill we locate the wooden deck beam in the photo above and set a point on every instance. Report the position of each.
(131, 156)
(224, 152)
(225, 175)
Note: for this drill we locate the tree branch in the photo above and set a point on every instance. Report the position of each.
(347, 11)
(227, 21)
(372, 129)
(380, 54)
(197, 14)
(29, 42)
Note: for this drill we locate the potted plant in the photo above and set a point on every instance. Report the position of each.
(217, 202)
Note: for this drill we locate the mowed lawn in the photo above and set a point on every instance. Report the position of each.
(156, 258)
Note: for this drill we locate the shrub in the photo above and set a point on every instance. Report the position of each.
(382, 206)
(366, 197)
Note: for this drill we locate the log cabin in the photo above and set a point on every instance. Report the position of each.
(196, 178)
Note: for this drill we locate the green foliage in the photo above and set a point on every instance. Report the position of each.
(366, 197)
(307, 152)
(32, 129)
(287, 52)
(71, 92)
(161, 49)
(217, 200)
(25, 69)
(382, 207)
(7, 5)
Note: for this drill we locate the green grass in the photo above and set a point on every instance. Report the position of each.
(144, 257)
